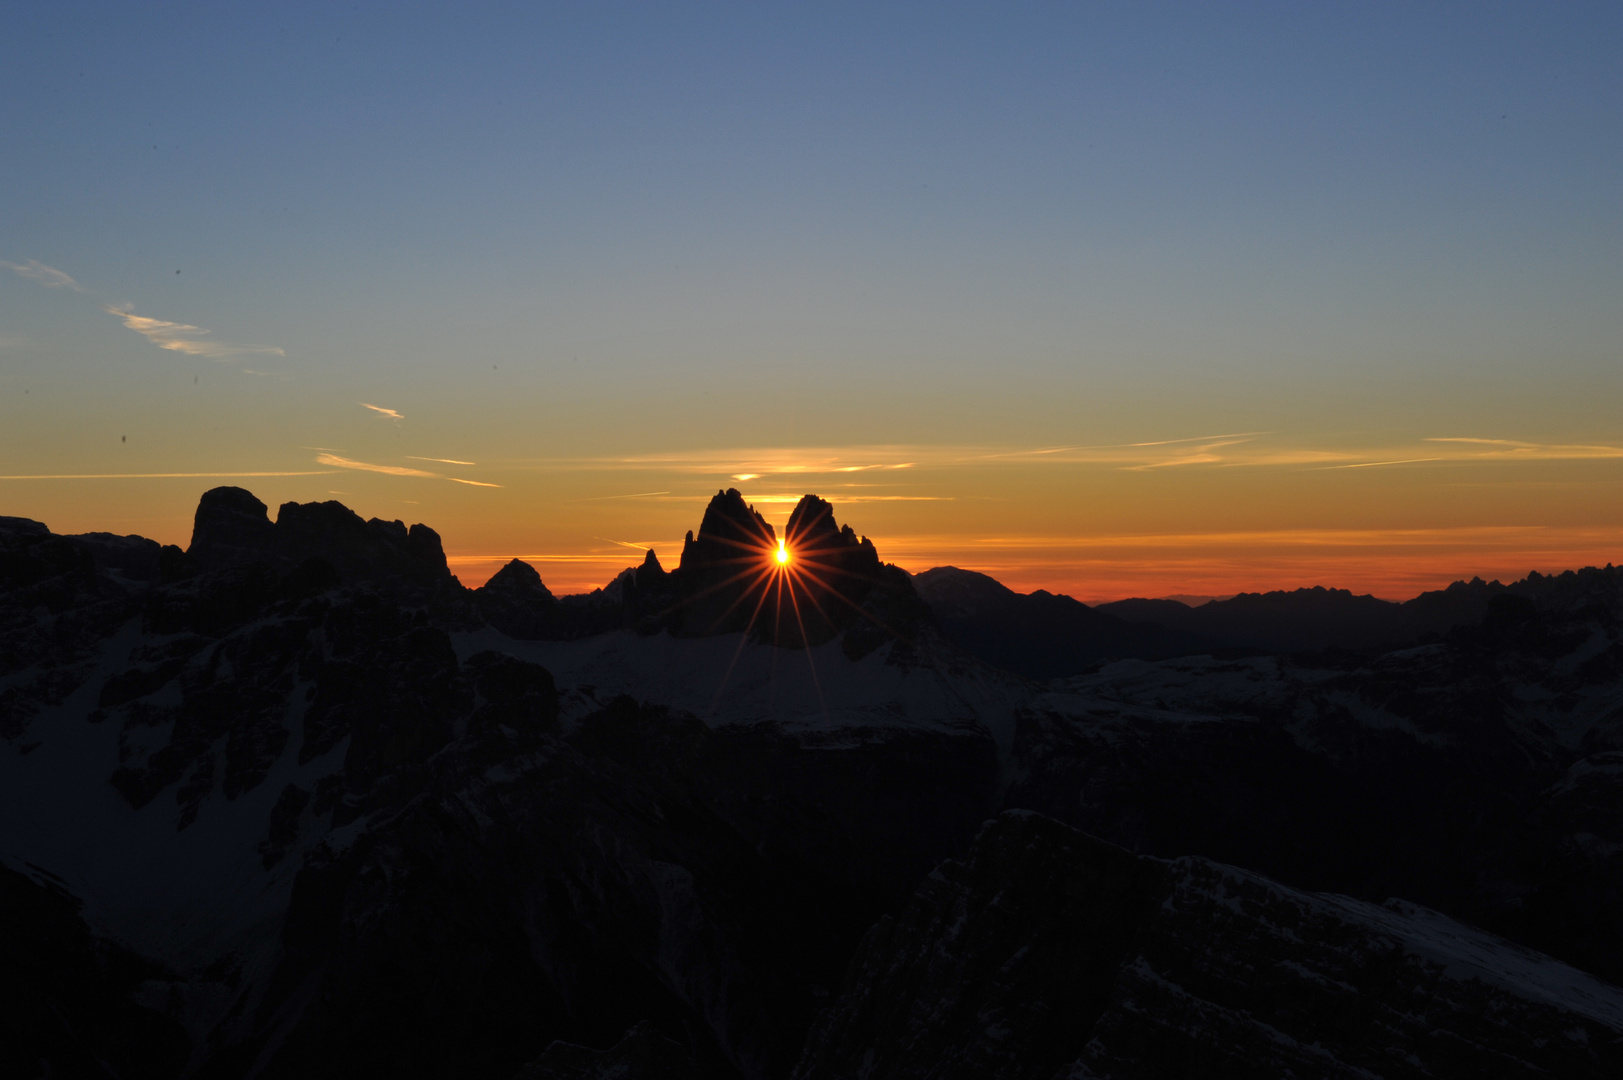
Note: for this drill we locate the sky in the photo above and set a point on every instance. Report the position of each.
(1113, 300)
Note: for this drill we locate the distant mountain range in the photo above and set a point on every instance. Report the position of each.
(1043, 636)
(292, 802)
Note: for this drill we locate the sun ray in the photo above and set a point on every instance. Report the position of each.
(811, 664)
(760, 577)
(710, 589)
(743, 639)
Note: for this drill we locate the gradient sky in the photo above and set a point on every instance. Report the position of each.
(1113, 300)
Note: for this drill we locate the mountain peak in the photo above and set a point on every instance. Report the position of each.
(730, 532)
(231, 526)
(520, 580)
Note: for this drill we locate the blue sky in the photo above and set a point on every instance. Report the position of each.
(540, 231)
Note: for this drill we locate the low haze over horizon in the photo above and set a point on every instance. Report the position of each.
(1117, 301)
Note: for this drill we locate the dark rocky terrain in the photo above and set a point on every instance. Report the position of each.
(1045, 636)
(1049, 953)
(1042, 635)
(293, 802)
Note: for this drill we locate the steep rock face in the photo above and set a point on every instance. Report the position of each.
(361, 549)
(1047, 953)
(831, 574)
(726, 569)
(231, 526)
(232, 530)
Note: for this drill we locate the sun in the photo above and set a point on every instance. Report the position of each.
(783, 554)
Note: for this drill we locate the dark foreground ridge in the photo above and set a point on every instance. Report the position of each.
(1049, 953)
(295, 803)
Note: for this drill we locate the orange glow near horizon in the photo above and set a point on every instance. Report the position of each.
(1100, 525)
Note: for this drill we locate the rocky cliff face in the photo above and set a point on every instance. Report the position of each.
(1048, 953)
(232, 529)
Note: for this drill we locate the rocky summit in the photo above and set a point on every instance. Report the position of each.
(294, 802)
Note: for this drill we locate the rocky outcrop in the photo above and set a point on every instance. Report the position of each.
(727, 571)
(232, 530)
(1048, 953)
(231, 526)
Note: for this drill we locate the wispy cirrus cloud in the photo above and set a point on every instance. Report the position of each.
(367, 466)
(441, 460)
(1241, 450)
(184, 337)
(341, 462)
(388, 414)
(48, 276)
(1516, 450)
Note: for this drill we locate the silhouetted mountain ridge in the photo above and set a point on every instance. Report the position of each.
(1042, 635)
(729, 580)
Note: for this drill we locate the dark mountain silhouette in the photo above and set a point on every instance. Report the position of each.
(1316, 618)
(1040, 635)
(293, 802)
(728, 581)
(232, 529)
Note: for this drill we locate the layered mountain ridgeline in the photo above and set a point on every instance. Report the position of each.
(1042, 635)
(294, 803)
